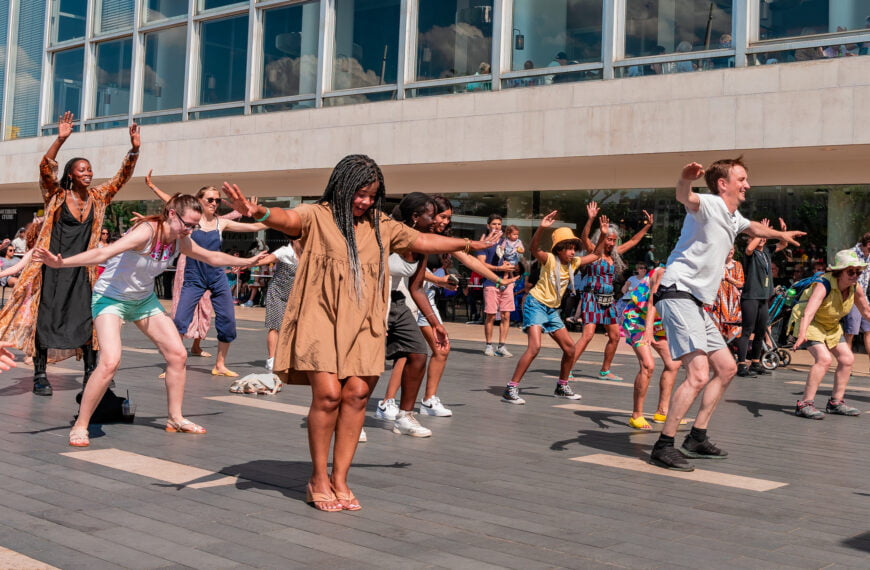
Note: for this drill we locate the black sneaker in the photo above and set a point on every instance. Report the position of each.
(41, 387)
(745, 372)
(701, 449)
(511, 395)
(840, 408)
(758, 369)
(669, 458)
(565, 391)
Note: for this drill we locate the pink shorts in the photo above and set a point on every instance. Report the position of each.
(498, 301)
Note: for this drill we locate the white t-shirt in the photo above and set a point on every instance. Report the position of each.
(633, 282)
(697, 263)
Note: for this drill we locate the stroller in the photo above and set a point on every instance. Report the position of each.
(778, 340)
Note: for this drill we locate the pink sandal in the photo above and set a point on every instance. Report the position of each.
(184, 426)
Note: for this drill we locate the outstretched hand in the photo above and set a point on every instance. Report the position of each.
(649, 218)
(692, 171)
(592, 210)
(487, 242)
(134, 136)
(65, 125)
(42, 255)
(238, 202)
(791, 237)
(604, 224)
(782, 226)
(7, 359)
(549, 219)
(255, 260)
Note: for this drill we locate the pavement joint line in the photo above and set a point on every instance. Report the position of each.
(554, 359)
(140, 350)
(160, 469)
(855, 388)
(621, 383)
(257, 402)
(585, 408)
(17, 561)
(698, 475)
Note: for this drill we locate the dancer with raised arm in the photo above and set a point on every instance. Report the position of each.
(332, 337)
(49, 310)
(691, 280)
(125, 292)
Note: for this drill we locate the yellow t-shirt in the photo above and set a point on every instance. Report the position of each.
(547, 290)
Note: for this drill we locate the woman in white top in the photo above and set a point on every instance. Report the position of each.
(125, 292)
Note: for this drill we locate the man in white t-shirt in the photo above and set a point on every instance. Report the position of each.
(691, 280)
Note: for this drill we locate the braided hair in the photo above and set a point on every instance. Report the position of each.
(66, 179)
(352, 173)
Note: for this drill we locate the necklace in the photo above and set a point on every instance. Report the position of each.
(79, 203)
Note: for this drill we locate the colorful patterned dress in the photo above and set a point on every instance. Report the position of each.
(634, 315)
(598, 278)
(726, 310)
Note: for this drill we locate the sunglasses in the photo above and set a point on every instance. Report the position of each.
(853, 272)
(212, 200)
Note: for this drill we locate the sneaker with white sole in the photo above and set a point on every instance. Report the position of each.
(565, 391)
(269, 363)
(434, 407)
(489, 350)
(362, 436)
(511, 395)
(387, 410)
(407, 424)
(503, 351)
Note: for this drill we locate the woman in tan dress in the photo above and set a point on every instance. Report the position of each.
(333, 334)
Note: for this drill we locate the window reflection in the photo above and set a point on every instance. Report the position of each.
(67, 81)
(550, 33)
(290, 38)
(162, 9)
(366, 43)
(455, 38)
(164, 69)
(223, 60)
(113, 78)
(781, 19)
(656, 27)
(116, 15)
(69, 19)
(209, 4)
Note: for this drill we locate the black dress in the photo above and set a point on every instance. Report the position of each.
(64, 317)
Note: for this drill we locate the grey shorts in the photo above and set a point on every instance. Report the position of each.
(688, 327)
(853, 323)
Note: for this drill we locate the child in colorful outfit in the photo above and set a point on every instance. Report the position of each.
(541, 306)
(643, 329)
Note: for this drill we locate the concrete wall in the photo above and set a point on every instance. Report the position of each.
(799, 123)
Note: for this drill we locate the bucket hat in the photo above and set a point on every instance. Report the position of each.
(563, 234)
(846, 258)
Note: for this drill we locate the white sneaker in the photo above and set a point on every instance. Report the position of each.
(490, 351)
(503, 351)
(407, 424)
(269, 363)
(387, 410)
(434, 407)
(362, 436)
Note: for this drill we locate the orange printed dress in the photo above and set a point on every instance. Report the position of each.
(19, 317)
(327, 328)
(726, 310)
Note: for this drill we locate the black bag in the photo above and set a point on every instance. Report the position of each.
(109, 410)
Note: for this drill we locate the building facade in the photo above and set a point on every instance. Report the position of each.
(517, 106)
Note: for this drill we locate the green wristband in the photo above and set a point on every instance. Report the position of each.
(265, 217)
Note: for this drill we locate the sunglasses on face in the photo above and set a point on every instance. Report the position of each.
(212, 200)
(853, 272)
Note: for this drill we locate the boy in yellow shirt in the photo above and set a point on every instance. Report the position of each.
(541, 306)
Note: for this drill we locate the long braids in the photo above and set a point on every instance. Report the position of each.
(352, 173)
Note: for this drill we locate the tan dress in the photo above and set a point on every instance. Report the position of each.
(326, 328)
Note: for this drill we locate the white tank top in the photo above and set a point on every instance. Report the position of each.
(400, 272)
(130, 275)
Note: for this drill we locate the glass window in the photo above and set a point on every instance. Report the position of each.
(159, 119)
(359, 98)
(290, 38)
(4, 22)
(210, 4)
(28, 71)
(455, 38)
(163, 9)
(67, 82)
(115, 15)
(113, 78)
(68, 19)
(550, 33)
(366, 43)
(106, 125)
(164, 69)
(655, 27)
(223, 60)
(286, 106)
(216, 113)
(811, 17)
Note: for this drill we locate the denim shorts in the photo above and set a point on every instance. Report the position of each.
(535, 313)
(130, 311)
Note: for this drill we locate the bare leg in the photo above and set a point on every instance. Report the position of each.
(580, 347)
(641, 380)
(395, 378)
(823, 358)
(488, 322)
(612, 331)
(845, 361)
(532, 350)
(504, 327)
(412, 377)
(163, 333)
(724, 369)
(355, 392)
(322, 420)
(221, 361)
(272, 342)
(437, 363)
(668, 377)
(566, 343)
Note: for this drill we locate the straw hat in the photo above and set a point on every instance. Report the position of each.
(846, 258)
(563, 234)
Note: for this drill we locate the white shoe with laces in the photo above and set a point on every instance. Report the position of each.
(407, 424)
(434, 407)
(503, 351)
(387, 410)
(362, 436)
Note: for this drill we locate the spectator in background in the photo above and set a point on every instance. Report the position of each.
(684, 66)
(9, 260)
(19, 243)
(497, 297)
(854, 323)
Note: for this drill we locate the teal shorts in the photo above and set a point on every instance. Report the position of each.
(130, 311)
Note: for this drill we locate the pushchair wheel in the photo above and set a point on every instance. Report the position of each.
(770, 360)
(784, 357)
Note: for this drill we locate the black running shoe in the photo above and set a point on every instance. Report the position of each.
(41, 387)
(702, 449)
(758, 369)
(669, 458)
(744, 371)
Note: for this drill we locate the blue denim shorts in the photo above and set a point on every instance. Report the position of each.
(535, 313)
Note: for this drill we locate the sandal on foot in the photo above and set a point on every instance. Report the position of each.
(78, 437)
(608, 375)
(660, 419)
(639, 423)
(348, 501)
(227, 372)
(184, 426)
(201, 353)
(317, 501)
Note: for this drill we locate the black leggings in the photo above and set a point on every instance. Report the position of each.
(754, 321)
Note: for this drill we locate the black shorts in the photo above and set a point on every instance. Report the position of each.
(403, 332)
